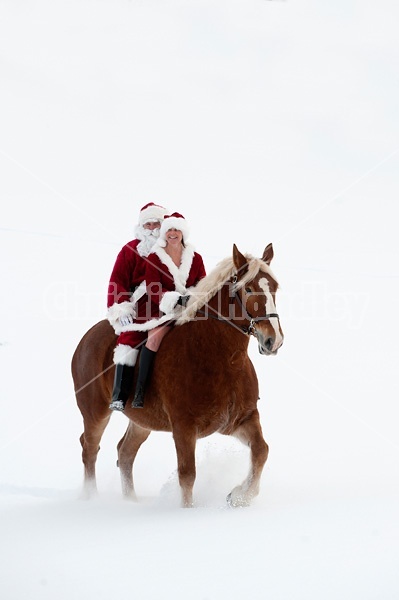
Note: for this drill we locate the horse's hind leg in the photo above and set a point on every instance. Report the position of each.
(127, 450)
(250, 433)
(90, 441)
(185, 441)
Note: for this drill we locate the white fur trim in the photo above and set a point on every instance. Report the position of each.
(179, 274)
(125, 308)
(169, 301)
(152, 213)
(139, 292)
(173, 223)
(176, 314)
(119, 310)
(125, 355)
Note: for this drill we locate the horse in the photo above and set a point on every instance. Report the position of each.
(202, 381)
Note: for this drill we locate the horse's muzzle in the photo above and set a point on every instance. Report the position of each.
(269, 347)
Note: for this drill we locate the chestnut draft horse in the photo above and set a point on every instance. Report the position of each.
(202, 382)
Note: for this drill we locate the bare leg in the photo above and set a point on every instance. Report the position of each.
(250, 433)
(155, 337)
(127, 450)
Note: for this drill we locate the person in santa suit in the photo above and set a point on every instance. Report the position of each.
(124, 290)
(171, 270)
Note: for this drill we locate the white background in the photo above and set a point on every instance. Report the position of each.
(261, 122)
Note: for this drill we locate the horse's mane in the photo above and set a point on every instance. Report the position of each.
(212, 283)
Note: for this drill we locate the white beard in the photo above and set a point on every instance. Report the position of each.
(147, 239)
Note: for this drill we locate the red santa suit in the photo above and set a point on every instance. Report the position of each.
(165, 281)
(124, 287)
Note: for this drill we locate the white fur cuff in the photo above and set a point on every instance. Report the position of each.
(125, 355)
(119, 310)
(168, 302)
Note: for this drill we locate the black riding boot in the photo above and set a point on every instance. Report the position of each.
(122, 386)
(146, 359)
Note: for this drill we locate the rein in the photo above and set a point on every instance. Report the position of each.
(250, 330)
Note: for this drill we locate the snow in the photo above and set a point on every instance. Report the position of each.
(261, 122)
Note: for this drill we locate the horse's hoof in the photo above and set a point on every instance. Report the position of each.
(131, 497)
(237, 501)
(88, 493)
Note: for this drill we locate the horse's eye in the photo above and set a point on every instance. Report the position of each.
(248, 290)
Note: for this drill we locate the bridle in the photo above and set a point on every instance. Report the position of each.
(250, 329)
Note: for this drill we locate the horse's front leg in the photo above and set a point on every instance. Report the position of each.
(250, 433)
(127, 450)
(90, 441)
(185, 441)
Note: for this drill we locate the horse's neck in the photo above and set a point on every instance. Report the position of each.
(220, 307)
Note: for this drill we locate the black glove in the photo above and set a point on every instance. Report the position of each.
(183, 300)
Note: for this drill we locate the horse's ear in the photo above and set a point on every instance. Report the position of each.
(268, 254)
(240, 262)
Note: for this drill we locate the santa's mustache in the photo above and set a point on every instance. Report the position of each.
(151, 232)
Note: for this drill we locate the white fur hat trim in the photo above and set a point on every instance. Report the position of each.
(151, 212)
(173, 222)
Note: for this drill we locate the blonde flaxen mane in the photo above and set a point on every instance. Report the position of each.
(212, 283)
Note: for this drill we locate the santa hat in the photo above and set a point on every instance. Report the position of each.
(151, 212)
(173, 221)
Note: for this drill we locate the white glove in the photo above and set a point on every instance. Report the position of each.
(126, 320)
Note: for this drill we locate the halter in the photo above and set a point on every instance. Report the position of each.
(250, 330)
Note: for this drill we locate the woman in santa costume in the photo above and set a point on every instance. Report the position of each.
(123, 293)
(171, 270)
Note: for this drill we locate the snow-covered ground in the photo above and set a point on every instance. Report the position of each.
(259, 121)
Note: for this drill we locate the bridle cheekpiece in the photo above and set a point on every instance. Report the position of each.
(250, 329)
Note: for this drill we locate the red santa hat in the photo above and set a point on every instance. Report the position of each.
(151, 212)
(173, 221)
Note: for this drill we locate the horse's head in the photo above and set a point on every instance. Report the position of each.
(255, 288)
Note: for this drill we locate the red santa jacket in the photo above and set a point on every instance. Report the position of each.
(165, 282)
(126, 276)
